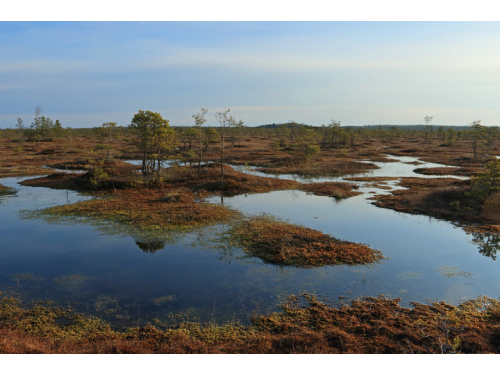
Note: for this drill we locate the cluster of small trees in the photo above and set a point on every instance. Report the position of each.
(477, 135)
(310, 140)
(41, 129)
(489, 181)
(156, 140)
(482, 185)
(481, 137)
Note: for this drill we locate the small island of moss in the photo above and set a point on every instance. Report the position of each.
(281, 243)
(6, 190)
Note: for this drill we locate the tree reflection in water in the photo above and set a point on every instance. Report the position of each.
(151, 246)
(489, 243)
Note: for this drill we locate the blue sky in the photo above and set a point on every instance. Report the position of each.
(87, 73)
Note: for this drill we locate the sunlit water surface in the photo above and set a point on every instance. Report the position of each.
(111, 276)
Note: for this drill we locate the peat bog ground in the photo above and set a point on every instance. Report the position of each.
(328, 272)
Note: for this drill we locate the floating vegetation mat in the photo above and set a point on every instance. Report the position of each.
(164, 299)
(25, 276)
(70, 280)
(450, 272)
(337, 190)
(411, 275)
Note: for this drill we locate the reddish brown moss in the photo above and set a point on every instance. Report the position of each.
(208, 179)
(372, 325)
(5, 190)
(337, 190)
(372, 179)
(23, 158)
(449, 171)
(286, 244)
(56, 181)
(444, 198)
(23, 170)
(149, 208)
(204, 180)
(322, 167)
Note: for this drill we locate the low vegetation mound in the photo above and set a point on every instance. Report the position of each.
(380, 325)
(6, 190)
(58, 180)
(372, 179)
(208, 179)
(203, 181)
(322, 167)
(114, 174)
(23, 170)
(304, 325)
(382, 159)
(85, 163)
(148, 209)
(441, 171)
(445, 198)
(337, 190)
(286, 244)
(469, 201)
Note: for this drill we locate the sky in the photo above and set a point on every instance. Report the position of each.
(359, 73)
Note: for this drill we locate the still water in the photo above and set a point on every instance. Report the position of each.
(111, 276)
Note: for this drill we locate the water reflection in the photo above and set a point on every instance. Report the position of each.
(151, 246)
(5, 194)
(489, 244)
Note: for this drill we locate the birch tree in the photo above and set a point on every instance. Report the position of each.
(199, 120)
(226, 121)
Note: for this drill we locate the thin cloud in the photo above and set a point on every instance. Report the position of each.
(43, 66)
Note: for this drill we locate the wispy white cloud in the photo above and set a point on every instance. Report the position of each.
(146, 55)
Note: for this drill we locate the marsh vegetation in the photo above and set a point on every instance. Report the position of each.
(286, 244)
(172, 252)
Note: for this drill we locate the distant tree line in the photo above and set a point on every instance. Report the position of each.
(158, 141)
